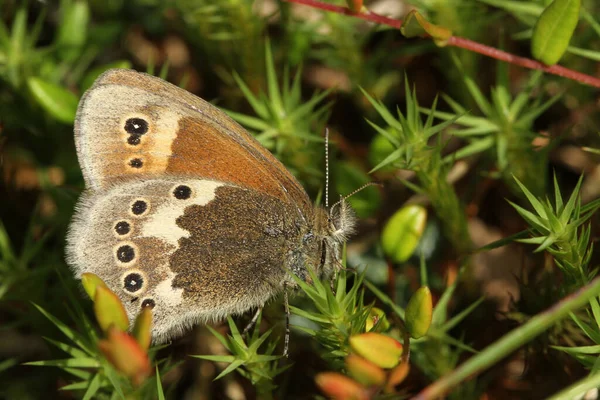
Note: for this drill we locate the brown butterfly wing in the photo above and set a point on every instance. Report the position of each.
(131, 124)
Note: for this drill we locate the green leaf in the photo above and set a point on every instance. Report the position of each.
(593, 55)
(93, 387)
(76, 386)
(159, 389)
(68, 332)
(56, 100)
(535, 203)
(87, 362)
(73, 351)
(553, 30)
(308, 315)
(595, 349)
(385, 299)
(230, 368)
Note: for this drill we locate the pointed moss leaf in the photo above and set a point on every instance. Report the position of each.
(378, 150)
(66, 330)
(76, 386)
(67, 348)
(419, 312)
(553, 30)
(93, 387)
(403, 231)
(230, 368)
(159, 389)
(88, 362)
(55, 100)
(385, 299)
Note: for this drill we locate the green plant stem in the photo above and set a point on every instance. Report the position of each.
(578, 388)
(511, 341)
(447, 206)
(463, 43)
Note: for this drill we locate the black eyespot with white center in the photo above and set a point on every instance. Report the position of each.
(139, 207)
(148, 303)
(182, 192)
(125, 253)
(136, 126)
(134, 140)
(136, 163)
(133, 282)
(122, 228)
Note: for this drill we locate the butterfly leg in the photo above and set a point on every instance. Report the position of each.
(286, 341)
(252, 321)
(332, 282)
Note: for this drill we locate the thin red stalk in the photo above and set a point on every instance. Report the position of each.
(467, 44)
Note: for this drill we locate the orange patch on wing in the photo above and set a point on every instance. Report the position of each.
(200, 151)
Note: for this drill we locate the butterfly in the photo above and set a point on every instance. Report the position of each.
(184, 211)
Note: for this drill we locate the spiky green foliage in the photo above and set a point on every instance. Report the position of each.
(559, 229)
(411, 139)
(93, 376)
(504, 128)
(253, 357)
(338, 312)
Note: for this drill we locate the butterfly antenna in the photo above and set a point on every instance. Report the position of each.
(326, 167)
(344, 198)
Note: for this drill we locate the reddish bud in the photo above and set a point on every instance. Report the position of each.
(365, 372)
(339, 387)
(126, 355)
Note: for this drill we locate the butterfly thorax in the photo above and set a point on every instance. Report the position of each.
(321, 245)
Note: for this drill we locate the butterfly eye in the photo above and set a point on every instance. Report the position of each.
(133, 282)
(122, 228)
(139, 207)
(136, 163)
(182, 192)
(136, 126)
(148, 303)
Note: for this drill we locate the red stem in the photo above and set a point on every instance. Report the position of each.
(458, 41)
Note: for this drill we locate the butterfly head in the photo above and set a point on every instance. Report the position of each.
(322, 245)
